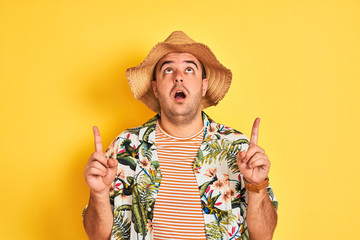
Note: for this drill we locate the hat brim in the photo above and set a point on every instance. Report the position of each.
(140, 77)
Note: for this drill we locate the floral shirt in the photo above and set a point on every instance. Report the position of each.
(221, 187)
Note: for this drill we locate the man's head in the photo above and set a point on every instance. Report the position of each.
(179, 85)
(140, 77)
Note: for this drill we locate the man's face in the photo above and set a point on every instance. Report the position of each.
(179, 85)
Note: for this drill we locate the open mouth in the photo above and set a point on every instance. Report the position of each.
(179, 95)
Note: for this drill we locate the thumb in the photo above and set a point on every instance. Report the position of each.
(241, 155)
(111, 171)
(240, 160)
(112, 163)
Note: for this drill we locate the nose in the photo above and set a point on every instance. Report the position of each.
(178, 78)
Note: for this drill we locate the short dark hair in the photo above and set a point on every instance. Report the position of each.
(203, 72)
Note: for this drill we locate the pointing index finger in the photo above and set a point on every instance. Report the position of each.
(97, 139)
(255, 131)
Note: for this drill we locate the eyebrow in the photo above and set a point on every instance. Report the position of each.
(166, 62)
(193, 63)
(188, 61)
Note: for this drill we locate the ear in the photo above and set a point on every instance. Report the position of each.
(204, 86)
(153, 84)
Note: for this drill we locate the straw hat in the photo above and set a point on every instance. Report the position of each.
(140, 77)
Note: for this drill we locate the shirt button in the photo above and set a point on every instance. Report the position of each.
(149, 209)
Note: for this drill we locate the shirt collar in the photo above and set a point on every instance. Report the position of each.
(147, 130)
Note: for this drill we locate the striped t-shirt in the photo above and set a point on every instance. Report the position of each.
(177, 212)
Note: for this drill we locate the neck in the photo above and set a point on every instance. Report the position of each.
(180, 127)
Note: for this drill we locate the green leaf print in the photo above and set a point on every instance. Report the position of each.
(213, 231)
(129, 156)
(245, 234)
(240, 141)
(148, 131)
(203, 187)
(147, 190)
(146, 151)
(126, 190)
(138, 216)
(124, 207)
(130, 180)
(218, 150)
(151, 121)
(155, 164)
(125, 159)
(121, 225)
(200, 154)
(217, 228)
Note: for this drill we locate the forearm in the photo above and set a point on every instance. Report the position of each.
(98, 217)
(261, 216)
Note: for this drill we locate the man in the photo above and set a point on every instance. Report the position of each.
(180, 175)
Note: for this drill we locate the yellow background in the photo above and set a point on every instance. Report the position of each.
(295, 64)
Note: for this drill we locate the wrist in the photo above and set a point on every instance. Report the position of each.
(98, 196)
(253, 187)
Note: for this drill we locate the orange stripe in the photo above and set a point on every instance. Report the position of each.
(178, 213)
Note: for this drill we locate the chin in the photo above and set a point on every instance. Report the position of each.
(182, 114)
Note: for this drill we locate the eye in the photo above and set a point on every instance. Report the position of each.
(168, 70)
(189, 70)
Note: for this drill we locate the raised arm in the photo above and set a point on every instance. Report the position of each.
(99, 174)
(261, 216)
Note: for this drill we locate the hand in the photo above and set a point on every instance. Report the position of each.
(254, 164)
(99, 171)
